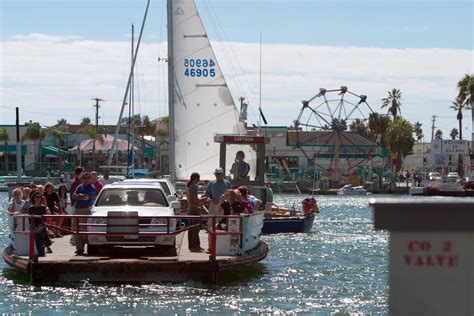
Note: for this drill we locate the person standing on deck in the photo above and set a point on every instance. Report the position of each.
(75, 183)
(106, 179)
(96, 182)
(194, 208)
(215, 189)
(84, 196)
(240, 169)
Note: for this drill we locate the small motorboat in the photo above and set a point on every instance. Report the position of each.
(348, 189)
(284, 220)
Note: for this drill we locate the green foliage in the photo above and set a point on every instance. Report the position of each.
(454, 133)
(359, 126)
(35, 132)
(418, 131)
(393, 102)
(466, 91)
(438, 134)
(400, 140)
(378, 125)
(85, 121)
(4, 137)
(59, 131)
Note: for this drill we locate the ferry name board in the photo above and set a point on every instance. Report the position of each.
(241, 139)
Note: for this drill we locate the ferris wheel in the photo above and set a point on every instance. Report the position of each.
(321, 132)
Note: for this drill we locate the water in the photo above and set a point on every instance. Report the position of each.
(340, 267)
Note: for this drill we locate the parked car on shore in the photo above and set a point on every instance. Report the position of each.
(434, 176)
(453, 176)
(469, 185)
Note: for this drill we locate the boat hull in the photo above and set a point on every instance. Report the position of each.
(64, 265)
(293, 224)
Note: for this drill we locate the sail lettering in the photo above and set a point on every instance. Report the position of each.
(199, 67)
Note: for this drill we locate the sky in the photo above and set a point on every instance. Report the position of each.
(57, 55)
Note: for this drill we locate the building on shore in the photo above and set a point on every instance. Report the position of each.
(324, 159)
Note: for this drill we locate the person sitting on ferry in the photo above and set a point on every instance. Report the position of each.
(230, 206)
(17, 202)
(253, 203)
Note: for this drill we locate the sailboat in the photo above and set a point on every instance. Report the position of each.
(200, 101)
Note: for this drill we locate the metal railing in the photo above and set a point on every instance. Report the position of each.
(174, 226)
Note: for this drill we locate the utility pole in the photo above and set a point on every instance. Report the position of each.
(97, 106)
(433, 120)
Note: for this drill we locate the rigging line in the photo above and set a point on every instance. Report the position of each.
(226, 49)
(235, 57)
(222, 35)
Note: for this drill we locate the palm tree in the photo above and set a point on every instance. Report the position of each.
(400, 140)
(458, 106)
(144, 128)
(466, 91)
(454, 133)
(359, 126)
(35, 132)
(85, 121)
(58, 133)
(438, 134)
(4, 137)
(393, 102)
(378, 125)
(418, 131)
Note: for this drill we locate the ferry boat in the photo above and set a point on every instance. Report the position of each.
(133, 237)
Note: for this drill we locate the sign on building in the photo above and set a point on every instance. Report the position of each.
(449, 147)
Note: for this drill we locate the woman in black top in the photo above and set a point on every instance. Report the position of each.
(41, 238)
(230, 206)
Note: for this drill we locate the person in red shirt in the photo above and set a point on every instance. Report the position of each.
(98, 185)
(75, 183)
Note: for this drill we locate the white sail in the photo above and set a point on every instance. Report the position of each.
(203, 105)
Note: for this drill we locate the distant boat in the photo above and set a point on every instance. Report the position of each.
(348, 189)
(289, 220)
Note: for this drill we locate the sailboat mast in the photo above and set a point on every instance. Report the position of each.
(260, 89)
(171, 135)
(130, 105)
(117, 127)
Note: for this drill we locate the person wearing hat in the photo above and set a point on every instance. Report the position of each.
(215, 189)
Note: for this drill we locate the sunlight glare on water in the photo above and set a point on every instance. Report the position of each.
(339, 267)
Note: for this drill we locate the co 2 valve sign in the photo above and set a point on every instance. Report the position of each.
(199, 68)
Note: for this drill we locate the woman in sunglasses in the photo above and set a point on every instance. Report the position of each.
(41, 238)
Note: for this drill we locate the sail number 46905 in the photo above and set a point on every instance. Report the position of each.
(199, 68)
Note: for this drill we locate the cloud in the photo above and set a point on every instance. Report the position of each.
(56, 77)
(38, 37)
